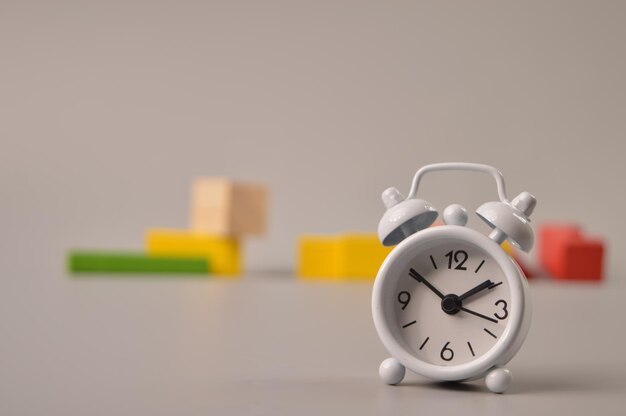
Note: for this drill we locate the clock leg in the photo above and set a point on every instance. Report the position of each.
(498, 379)
(391, 371)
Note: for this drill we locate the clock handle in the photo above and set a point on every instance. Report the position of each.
(472, 167)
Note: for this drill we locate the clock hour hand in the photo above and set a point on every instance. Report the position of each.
(484, 285)
(415, 275)
(480, 315)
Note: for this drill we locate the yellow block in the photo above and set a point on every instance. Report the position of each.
(317, 257)
(222, 252)
(340, 257)
(360, 255)
(508, 247)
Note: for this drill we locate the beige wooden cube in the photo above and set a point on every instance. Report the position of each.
(225, 207)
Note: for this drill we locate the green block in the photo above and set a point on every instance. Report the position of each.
(121, 262)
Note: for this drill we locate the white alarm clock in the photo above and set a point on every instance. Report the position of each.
(448, 302)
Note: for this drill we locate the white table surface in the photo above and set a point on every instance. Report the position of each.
(270, 344)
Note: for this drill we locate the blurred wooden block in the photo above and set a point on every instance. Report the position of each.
(92, 261)
(224, 207)
(222, 252)
(567, 254)
(582, 260)
(317, 257)
(340, 257)
(552, 239)
(360, 256)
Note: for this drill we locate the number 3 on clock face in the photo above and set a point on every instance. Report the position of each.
(452, 303)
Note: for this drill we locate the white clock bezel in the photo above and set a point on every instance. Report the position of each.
(384, 299)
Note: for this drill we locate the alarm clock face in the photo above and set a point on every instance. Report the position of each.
(452, 302)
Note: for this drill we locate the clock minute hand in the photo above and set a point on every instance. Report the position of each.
(415, 275)
(480, 315)
(484, 285)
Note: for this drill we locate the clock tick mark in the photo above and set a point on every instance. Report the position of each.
(433, 261)
(490, 333)
(471, 349)
(409, 324)
(424, 343)
(479, 266)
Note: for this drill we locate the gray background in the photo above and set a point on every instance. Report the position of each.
(109, 109)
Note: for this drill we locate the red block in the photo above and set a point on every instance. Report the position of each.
(567, 254)
(552, 238)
